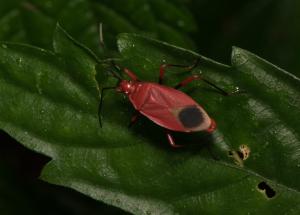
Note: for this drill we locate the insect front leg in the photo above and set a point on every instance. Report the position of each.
(131, 74)
(171, 140)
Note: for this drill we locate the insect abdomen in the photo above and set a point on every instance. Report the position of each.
(190, 117)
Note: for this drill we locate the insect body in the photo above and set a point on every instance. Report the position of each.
(166, 106)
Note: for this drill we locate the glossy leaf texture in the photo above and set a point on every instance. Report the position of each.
(34, 21)
(49, 104)
(184, 23)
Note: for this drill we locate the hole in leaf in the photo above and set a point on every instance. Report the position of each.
(263, 186)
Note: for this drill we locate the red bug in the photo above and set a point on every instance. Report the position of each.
(166, 106)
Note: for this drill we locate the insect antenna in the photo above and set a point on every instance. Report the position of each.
(114, 73)
(111, 71)
(119, 78)
(101, 39)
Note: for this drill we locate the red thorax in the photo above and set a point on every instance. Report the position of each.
(126, 87)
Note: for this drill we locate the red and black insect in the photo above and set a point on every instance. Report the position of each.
(166, 106)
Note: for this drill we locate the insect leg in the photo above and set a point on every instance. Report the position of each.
(134, 118)
(101, 102)
(171, 141)
(197, 77)
(163, 67)
(131, 75)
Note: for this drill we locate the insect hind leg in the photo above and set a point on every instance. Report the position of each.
(162, 68)
(198, 77)
(172, 141)
(134, 118)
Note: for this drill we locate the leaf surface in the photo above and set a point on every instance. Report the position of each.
(49, 103)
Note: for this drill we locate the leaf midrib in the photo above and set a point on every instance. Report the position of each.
(251, 172)
(248, 172)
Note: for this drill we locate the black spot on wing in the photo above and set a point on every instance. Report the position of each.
(190, 117)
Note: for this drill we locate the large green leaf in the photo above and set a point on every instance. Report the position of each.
(49, 103)
(219, 24)
(33, 21)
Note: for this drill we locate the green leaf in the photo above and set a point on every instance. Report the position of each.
(172, 36)
(273, 109)
(77, 58)
(175, 15)
(34, 21)
(51, 107)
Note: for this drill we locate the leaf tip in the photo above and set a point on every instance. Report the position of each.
(235, 51)
(58, 25)
(238, 56)
(58, 29)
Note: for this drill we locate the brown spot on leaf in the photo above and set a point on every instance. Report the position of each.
(244, 152)
(240, 155)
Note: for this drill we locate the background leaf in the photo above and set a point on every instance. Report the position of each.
(34, 21)
(141, 173)
(269, 28)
